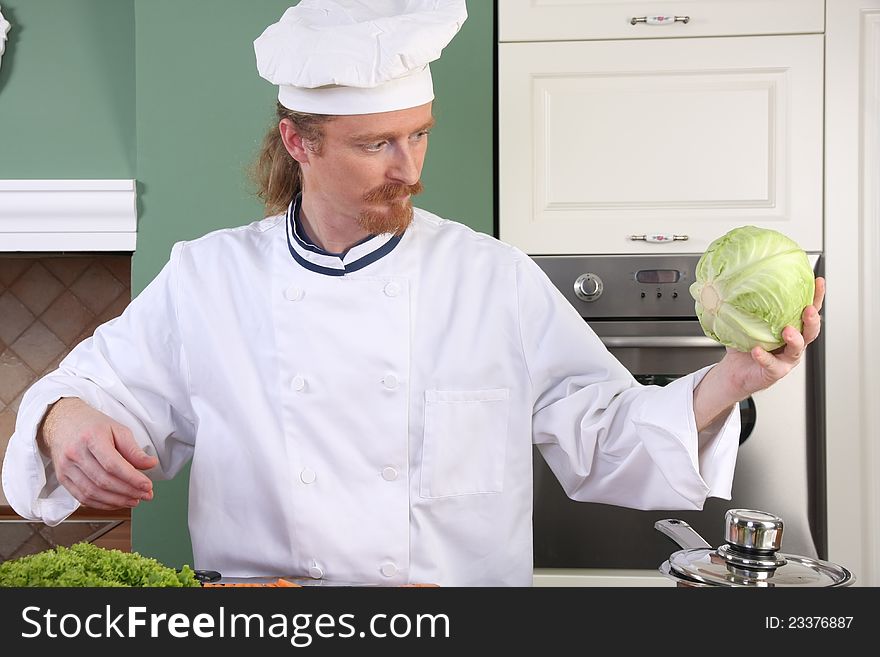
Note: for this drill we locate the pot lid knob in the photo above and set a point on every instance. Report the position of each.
(748, 529)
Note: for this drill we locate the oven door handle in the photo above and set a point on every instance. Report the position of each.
(687, 341)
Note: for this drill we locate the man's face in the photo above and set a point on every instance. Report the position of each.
(369, 167)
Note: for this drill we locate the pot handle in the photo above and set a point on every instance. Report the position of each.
(682, 533)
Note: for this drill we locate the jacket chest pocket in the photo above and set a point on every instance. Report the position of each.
(465, 442)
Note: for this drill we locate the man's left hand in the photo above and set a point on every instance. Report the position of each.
(741, 373)
(758, 369)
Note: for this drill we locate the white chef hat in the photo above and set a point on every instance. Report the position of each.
(357, 56)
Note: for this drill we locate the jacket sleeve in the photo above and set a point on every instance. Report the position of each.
(133, 369)
(606, 437)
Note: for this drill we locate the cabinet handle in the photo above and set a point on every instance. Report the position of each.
(659, 20)
(659, 237)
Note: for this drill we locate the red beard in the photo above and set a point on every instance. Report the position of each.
(390, 210)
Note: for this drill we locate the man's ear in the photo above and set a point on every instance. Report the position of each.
(293, 141)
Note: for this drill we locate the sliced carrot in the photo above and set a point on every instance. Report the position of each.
(277, 582)
(284, 582)
(413, 586)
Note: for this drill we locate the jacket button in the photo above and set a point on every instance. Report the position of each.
(392, 289)
(293, 293)
(315, 572)
(307, 475)
(388, 569)
(298, 383)
(389, 474)
(390, 381)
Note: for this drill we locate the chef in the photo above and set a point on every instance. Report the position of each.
(358, 383)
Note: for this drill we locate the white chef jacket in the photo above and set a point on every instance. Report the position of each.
(370, 417)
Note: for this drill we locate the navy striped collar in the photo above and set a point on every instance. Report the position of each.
(313, 257)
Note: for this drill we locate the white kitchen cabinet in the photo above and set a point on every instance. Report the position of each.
(852, 267)
(600, 141)
(562, 20)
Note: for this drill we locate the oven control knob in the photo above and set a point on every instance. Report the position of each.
(588, 287)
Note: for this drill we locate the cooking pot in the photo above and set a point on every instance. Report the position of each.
(749, 558)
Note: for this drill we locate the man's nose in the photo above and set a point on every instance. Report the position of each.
(406, 167)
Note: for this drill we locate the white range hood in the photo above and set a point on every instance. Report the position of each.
(67, 215)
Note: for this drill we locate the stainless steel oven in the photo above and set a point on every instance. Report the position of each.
(641, 308)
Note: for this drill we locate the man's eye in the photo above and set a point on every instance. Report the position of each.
(421, 134)
(375, 147)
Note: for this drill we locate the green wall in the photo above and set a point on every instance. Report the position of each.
(166, 91)
(67, 100)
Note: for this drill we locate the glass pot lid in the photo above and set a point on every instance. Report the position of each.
(709, 567)
(749, 558)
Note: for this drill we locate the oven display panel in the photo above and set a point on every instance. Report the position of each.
(655, 276)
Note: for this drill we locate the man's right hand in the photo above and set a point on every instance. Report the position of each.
(96, 459)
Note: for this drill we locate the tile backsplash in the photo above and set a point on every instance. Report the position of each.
(48, 305)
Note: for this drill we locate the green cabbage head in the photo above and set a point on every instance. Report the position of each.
(750, 284)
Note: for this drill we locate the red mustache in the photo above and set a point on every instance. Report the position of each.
(392, 192)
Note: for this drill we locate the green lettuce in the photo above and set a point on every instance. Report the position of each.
(84, 564)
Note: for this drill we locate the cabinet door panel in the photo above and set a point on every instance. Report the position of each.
(569, 20)
(603, 140)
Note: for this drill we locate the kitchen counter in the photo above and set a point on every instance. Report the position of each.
(612, 577)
